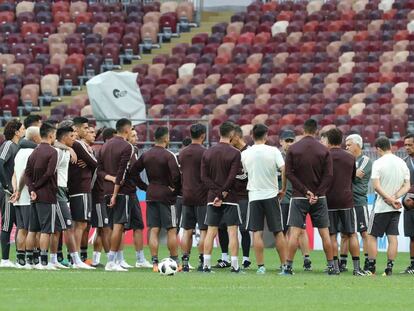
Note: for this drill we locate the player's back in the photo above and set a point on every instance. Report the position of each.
(156, 163)
(80, 177)
(220, 159)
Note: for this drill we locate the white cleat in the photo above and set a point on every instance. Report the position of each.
(7, 264)
(125, 265)
(82, 265)
(58, 265)
(112, 266)
(23, 267)
(38, 266)
(118, 268)
(51, 267)
(143, 264)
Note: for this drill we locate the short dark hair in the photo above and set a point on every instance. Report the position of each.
(63, 131)
(121, 124)
(259, 131)
(334, 137)
(226, 128)
(238, 131)
(78, 121)
(196, 130)
(46, 129)
(324, 134)
(186, 141)
(160, 132)
(383, 143)
(11, 128)
(108, 133)
(310, 126)
(30, 119)
(408, 136)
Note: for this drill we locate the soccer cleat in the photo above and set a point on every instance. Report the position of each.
(200, 267)
(58, 265)
(221, 264)
(88, 262)
(118, 268)
(387, 272)
(238, 271)
(7, 264)
(155, 267)
(359, 273)
(186, 268)
(343, 268)
(38, 266)
(246, 264)
(82, 265)
(307, 265)
(50, 267)
(261, 270)
(409, 270)
(143, 264)
(97, 265)
(65, 263)
(125, 265)
(207, 270)
(286, 271)
(113, 267)
(333, 271)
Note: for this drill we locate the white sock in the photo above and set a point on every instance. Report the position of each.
(53, 258)
(225, 257)
(120, 256)
(235, 262)
(75, 258)
(246, 259)
(140, 256)
(112, 256)
(107, 255)
(96, 259)
(207, 261)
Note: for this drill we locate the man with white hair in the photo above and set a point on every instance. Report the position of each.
(354, 146)
(21, 196)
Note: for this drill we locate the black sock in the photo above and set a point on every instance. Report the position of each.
(306, 257)
(21, 257)
(5, 245)
(175, 258)
(185, 259)
(29, 257)
(289, 264)
(390, 264)
(224, 240)
(60, 256)
(36, 255)
(44, 257)
(366, 256)
(260, 266)
(412, 261)
(84, 253)
(371, 265)
(201, 258)
(154, 259)
(245, 243)
(59, 249)
(355, 262)
(344, 260)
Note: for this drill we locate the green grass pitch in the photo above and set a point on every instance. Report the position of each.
(145, 290)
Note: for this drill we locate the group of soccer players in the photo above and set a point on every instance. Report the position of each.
(55, 187)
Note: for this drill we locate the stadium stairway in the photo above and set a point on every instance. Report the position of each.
(208, 19)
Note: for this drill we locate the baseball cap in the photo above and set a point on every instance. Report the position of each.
(288, 134)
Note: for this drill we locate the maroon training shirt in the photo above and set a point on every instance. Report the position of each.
(240, 185)
(41, 176)
(194, 190)
(219, 168)
(309, 167)
(339, 195)
(133, 181)
(162, 170)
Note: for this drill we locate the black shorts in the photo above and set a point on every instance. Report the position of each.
(261, 209)
(99, 217)
(244, 209)
(43, 218)
(362, 216)
(409, 223)
(63, 216)
(119, 214)
(193, 215)
(161, 215)
(178, 209)
(380, 223)
(135, 221)
(228, 214)
(8, 213)
(285, 213)
(342, 221)
(300, 207)
(22, 216)
(81, 206)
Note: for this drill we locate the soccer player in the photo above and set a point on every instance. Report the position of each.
(309, 169)
(391, 180)
(164, 179)
(287, 138)
(261, 163)
(41, 179)
(114, 158)
(354, 145)
(409, 213)
(219, 168)
(194, 194)
(80, 180)
(21, 196)
(342, 216)
(13, 132)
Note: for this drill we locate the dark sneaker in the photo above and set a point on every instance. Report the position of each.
(207, 270)
(221, 264)
(99, 265)
(409, 270)
(333, 271)
(286, 271)
(359, 273)
(239, 271)
(343, 268)
(387, 272)
(246, 264)
(186, 268)
(307, 265)
(200, 267)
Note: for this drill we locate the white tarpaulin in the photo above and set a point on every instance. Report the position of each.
(115, 95)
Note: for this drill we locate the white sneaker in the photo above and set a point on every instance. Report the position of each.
(7, 264)
(125, 265)
(38, 266)
(58, 265)
(119, 268)
(143, 264)
(23, 267)
(83, 266)
(112, 266)
(51, 267)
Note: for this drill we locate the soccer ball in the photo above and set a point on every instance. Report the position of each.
(168, 266)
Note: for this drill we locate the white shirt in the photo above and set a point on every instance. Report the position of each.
(391, 171)
(261, 163)
(63, 167)
(20, 162)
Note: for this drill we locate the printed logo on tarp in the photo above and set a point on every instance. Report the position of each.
(118, 94)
